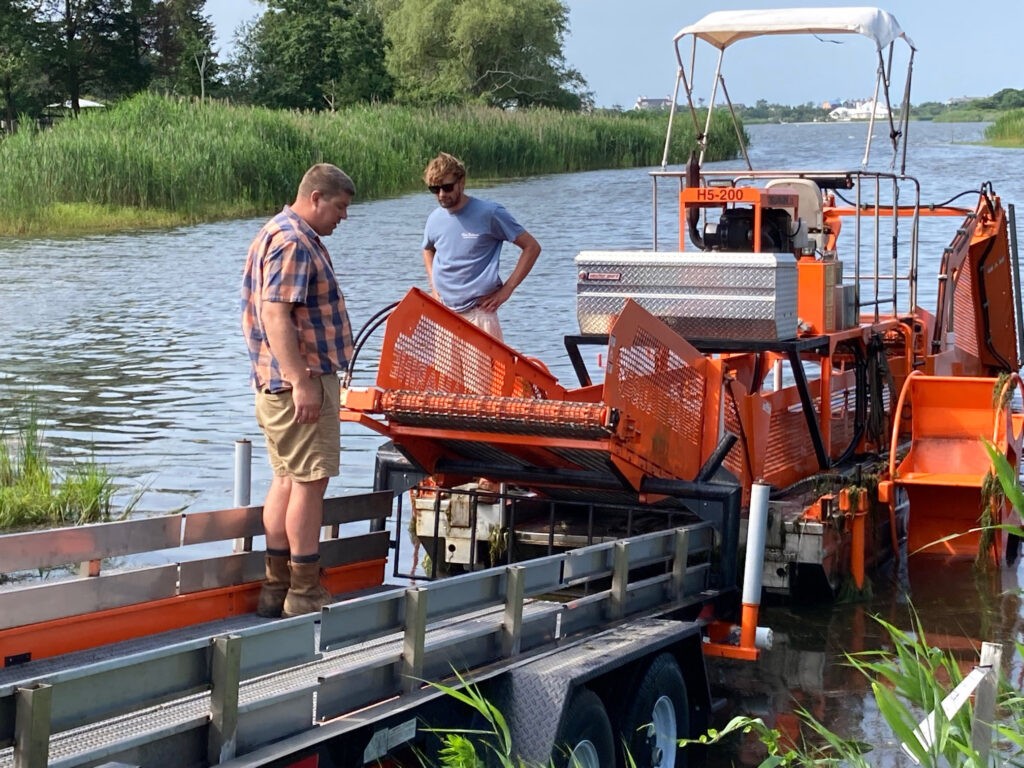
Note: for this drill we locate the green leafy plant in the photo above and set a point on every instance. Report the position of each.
(458, 749)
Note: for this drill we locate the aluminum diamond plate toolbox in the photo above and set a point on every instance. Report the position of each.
(700, 295)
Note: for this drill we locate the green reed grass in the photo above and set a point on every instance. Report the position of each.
(1008, 130)
(156, 161)
(33, 493)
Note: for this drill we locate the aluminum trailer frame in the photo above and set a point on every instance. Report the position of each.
(339, 681)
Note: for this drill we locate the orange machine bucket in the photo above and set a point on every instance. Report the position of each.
(943, 472)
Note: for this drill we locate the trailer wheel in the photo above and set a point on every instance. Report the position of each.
(585, 739)
(657, 717)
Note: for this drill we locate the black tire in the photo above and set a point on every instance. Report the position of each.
(586, 732)
(657, 717)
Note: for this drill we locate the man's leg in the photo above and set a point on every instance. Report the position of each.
(275, 509)
(277, 580)
(304, 521)
(488, 323)
(305, 516)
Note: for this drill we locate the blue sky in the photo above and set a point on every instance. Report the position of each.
(624, 50)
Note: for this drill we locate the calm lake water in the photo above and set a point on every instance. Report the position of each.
(130, 346)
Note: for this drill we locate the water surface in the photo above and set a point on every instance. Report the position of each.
(130, 344)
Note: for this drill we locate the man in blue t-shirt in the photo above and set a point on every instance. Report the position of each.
(462, 246)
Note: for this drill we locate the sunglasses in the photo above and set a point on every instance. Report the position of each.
(435, 188)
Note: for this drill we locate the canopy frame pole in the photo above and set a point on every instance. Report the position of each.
(735, 124)
(905, 117)
(874, 106)
(671, 119)
(711, 106)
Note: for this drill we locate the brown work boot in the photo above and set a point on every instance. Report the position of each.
(306, 594)
(275, 587)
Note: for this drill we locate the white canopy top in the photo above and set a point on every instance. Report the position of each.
(723, 28)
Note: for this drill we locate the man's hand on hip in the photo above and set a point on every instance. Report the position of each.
(306, 397)
(492, 301)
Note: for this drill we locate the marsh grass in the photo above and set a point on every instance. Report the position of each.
(154, 161)
(34, 494)
(1008, 130)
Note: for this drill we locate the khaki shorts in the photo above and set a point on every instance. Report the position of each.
(303, 452)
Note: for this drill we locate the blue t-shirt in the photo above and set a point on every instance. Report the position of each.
(467, 247)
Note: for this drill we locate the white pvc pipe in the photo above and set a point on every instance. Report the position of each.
(243, 473)
(757, 529)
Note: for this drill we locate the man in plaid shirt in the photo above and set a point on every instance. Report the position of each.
(298, 333)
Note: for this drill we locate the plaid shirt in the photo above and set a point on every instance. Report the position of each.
(287, 262)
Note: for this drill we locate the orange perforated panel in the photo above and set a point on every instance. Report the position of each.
(964, 320)
(659, 384)
(790, 453)
(429, 348)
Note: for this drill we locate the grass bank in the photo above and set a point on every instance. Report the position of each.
(152, 161)
(1008, 130)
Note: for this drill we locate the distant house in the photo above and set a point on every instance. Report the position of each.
(861, 110)
(962, 99)
(643, 102)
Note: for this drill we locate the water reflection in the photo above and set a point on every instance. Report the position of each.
(957, 606)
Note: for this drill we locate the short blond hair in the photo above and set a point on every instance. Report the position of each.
(329, 180)
(442, 165)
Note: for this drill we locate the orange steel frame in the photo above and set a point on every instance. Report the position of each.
(75, 633)
(949, 436)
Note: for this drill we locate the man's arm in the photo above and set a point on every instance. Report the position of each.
(284, 344)
(428, 262)
(527, 258)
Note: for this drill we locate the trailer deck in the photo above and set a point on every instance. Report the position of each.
(247, 691)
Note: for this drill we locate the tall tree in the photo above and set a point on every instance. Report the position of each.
(70, 20)
(313, 54)
(121, 46)
(100, 45)
(504, 52)
(184, 60)
(19, 37)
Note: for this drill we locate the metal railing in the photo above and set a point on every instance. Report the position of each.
(870, 269)
(93, 547)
